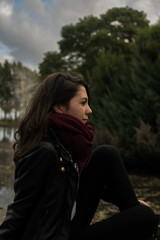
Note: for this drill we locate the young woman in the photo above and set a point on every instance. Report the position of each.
(59, 181)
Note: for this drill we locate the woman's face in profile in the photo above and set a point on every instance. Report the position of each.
(78, 106)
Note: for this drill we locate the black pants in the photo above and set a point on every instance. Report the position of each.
(106, 178)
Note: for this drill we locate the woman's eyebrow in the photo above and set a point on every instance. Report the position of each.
(84, 98)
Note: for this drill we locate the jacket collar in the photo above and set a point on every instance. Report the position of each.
(52, 137)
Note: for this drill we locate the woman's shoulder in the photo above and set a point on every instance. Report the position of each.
(44, 148)
(44, 154)
(48, 146)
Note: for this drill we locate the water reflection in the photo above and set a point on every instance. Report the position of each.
(6, 197)
(7, 134)
(6, 166)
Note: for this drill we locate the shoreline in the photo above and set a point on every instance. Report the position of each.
(9, 123)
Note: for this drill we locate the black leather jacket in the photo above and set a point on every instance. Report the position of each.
(45, 190)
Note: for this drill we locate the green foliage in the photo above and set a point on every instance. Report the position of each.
(52, 62)
(114, 31)
(145, 91)
(148, 42)
(5, 83)
(123, 23)
(106, 73)
(131, 111)
(75, 41)
(75, 37)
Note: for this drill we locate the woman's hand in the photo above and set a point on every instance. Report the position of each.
(143, 203)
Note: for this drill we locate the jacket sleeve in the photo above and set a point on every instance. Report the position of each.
(31, 176)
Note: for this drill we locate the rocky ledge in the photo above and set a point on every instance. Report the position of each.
(2, 214)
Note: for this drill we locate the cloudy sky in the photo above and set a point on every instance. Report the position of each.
(29, 28)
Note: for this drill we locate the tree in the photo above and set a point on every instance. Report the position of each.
(6, 89)
(130, 112)
(123, 23)
(52, 62)
(148, 42)
(145, 88)
(75, 37)
(5, 82)
(104, 76)
(81, 42)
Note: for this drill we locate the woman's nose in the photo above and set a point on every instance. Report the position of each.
(88, 110)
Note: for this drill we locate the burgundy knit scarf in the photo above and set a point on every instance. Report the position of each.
(76, 137)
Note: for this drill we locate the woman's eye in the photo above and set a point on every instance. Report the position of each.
(83, 103)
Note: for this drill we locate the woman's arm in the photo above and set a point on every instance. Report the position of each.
(30, 178)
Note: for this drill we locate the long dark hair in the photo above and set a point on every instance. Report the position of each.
(57, 88)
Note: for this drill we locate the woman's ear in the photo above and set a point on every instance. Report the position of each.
(58, 108)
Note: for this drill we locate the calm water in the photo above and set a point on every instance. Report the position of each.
(146, 187)
(6, 134)
(6, 166)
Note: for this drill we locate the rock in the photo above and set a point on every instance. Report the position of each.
(2, 214)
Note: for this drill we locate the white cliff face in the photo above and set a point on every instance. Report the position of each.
(23, 85)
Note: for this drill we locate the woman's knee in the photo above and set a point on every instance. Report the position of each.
(147, 217)
(105, 150)
(107, 153)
